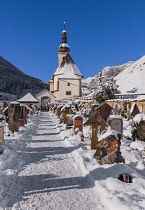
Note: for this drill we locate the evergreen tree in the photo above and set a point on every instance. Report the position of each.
(105, 90)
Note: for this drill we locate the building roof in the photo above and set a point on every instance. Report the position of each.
(28, 98)
(45, 90)
(68, 65)
(68, 75)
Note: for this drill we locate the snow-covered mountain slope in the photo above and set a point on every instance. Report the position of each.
(107, 72)
(131, 80)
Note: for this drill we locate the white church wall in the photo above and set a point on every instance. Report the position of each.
(67, 86)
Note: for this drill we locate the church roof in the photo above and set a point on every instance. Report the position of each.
(68, 65)
(68, 75)
(28, 98)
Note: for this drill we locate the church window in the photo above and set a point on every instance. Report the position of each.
(68, 84)
(68, 92)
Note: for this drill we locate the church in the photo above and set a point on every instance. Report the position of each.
(66, 81)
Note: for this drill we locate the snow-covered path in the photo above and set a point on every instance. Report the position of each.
(50, 178)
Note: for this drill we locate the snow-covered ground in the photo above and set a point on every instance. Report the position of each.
(45, 167)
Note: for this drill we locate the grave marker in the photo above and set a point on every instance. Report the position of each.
(134, 110)
(104, 110)
(14, 115)
(95, 121)
(69, 121)
(116, 123)
(77, 123)
(141, 130)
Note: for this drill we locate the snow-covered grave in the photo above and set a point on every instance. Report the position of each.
(44, 167)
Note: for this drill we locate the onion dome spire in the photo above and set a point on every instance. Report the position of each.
(64, 46)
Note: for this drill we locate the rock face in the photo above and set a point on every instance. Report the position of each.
(108, 150)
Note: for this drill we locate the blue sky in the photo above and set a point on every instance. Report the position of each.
(100, 33)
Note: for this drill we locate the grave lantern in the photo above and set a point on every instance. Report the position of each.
(125, 178)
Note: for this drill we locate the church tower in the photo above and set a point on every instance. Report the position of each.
(63, 49)
(66, 81)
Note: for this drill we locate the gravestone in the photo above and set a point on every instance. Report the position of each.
(95, 121)
(2, 134)
(92, 110)
(24, 111)
(108, 150)
(65, 111)
(104, 110)
(141, 130)
(134, 110)
(54, 109)
(116, 123)
(58, 111)
(2, 124)
(77, 123)
(14, 111)
(143, 156)
(21, 119)
(62, 118)
(69, 121)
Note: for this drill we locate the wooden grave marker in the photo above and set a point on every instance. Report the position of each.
(77, 123)
(141, 130)
(104, 110)
(95, 121)
(134, 110)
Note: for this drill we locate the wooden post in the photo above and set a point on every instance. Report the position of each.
(94, 138)
(94, 121)
(2, 135)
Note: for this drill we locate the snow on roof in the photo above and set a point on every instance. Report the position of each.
(64, 31)
(28, 107)
(138, 118)
(45, 90)
(71, 105)
(64, 45)
(132, 107)
(70, 68)
(114, 117)
(70, 115)
(14, 102)
(68, 75)
(77, 116)
(28, 98)
(131, 80)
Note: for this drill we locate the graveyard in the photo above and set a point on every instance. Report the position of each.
(72, 149)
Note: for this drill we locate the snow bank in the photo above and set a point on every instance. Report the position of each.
(138, 118)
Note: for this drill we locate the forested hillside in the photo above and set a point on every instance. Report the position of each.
(14, 81)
